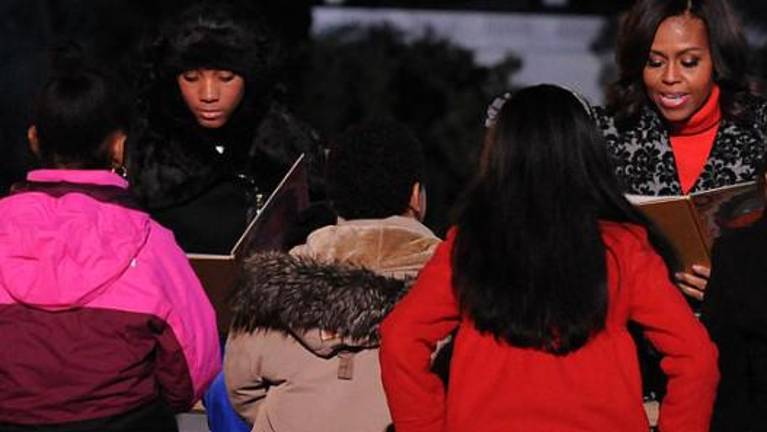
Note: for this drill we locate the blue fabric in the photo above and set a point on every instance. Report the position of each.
(221, 416)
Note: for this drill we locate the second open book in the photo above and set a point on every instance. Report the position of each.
(267, 230)
(692, 222)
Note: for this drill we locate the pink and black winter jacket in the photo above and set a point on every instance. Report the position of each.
(100, 312)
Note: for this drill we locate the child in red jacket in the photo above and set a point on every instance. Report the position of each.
(546, 266)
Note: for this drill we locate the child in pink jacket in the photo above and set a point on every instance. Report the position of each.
(104, 326)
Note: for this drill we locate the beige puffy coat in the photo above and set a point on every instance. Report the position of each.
(308, 359)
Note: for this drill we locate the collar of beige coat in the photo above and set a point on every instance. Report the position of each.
(396, 246)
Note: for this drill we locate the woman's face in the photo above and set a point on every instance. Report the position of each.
(212, 95)
(679, 73)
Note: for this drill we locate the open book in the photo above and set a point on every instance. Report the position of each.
(692, 222)
(266, 231)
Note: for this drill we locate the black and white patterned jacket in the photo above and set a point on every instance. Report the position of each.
(644, 161)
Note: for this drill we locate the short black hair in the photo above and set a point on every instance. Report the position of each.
(372, 168)
(78, 107)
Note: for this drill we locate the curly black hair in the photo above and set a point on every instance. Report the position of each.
(372, 168)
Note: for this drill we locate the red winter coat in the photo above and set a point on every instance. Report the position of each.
(498, 387)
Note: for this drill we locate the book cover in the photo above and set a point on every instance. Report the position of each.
(266, 231)
(692, 222)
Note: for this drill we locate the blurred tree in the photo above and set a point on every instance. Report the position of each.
(533, 6)
(754, 11)
(109, 31)
(754, 14)
(604, 47)
(24, 35)
(430, 84)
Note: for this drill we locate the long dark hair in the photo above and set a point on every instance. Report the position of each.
(529, 260)
(729, 51)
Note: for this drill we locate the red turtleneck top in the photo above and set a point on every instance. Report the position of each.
(692, 141)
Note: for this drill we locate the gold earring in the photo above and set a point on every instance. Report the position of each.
(120, 170)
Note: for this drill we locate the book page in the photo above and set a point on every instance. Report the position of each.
(218, 276)
(727, 208)
(214, 257)
(638, 200)
(219, 272)
(676, 220)
(692, 222)
(267, 230)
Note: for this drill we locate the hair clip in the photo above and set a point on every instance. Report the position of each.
(495, 107)
(582, 99)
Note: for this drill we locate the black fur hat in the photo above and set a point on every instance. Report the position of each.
(216, 35)
(226, 35)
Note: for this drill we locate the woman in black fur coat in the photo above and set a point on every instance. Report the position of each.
(211, 140)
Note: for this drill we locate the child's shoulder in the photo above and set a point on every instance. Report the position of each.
(624, 235)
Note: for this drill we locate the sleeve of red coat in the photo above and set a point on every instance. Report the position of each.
(409, 334)
(689, 357)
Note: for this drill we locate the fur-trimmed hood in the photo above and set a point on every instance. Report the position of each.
(327, 306)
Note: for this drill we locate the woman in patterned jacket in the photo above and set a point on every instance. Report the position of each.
(682, 116)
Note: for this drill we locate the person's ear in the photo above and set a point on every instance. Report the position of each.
(34, 142)
(415, 197)
(117, 147)
(417, 202)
